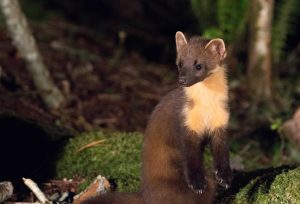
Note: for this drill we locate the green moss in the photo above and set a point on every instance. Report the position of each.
(282, 188)
(118, 158)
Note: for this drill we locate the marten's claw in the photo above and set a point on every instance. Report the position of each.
(224, 179)
(200, 191)
(197, 186)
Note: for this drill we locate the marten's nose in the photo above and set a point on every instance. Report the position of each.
(182, 81)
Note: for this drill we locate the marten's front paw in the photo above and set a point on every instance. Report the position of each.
(197, 183)
(224, 177)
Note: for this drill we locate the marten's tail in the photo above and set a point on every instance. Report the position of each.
(115, 198)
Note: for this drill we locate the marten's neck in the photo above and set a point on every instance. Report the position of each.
(206, 106)
(216, 83)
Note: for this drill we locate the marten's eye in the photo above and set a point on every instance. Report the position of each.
(198, 66)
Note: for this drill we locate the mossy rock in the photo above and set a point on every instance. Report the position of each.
(117, 158)
(267, 186)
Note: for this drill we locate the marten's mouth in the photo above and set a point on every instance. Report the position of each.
(182, 81)
(183, 84)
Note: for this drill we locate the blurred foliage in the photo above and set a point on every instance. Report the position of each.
(285, 23)
(36, 10)
(231, 17)
(264, 148)
(221, 18)
(117, 158)
(206, 16)
(228, 19)
(143, 20)
(276, 124)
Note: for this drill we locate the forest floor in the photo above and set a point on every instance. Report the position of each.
(106, 86)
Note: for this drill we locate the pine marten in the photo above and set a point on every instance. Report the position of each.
(186, 119)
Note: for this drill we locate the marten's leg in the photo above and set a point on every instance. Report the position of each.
(220, 152)
(194, 171)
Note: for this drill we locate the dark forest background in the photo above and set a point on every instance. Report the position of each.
(114, 60)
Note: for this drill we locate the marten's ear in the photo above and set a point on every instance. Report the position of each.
(216, 47)
(180, 40)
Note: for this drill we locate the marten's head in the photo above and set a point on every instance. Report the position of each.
(197, 58)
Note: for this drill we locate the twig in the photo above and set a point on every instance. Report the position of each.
(36, 190)
(94, 143)
(99, 186)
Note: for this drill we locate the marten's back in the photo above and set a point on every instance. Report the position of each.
(161, 136)
(167, 116)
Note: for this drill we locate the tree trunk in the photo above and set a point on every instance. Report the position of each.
(26, 45)
(260, 61)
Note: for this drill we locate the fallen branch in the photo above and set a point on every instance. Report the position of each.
(36, 190)
(99, 186)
